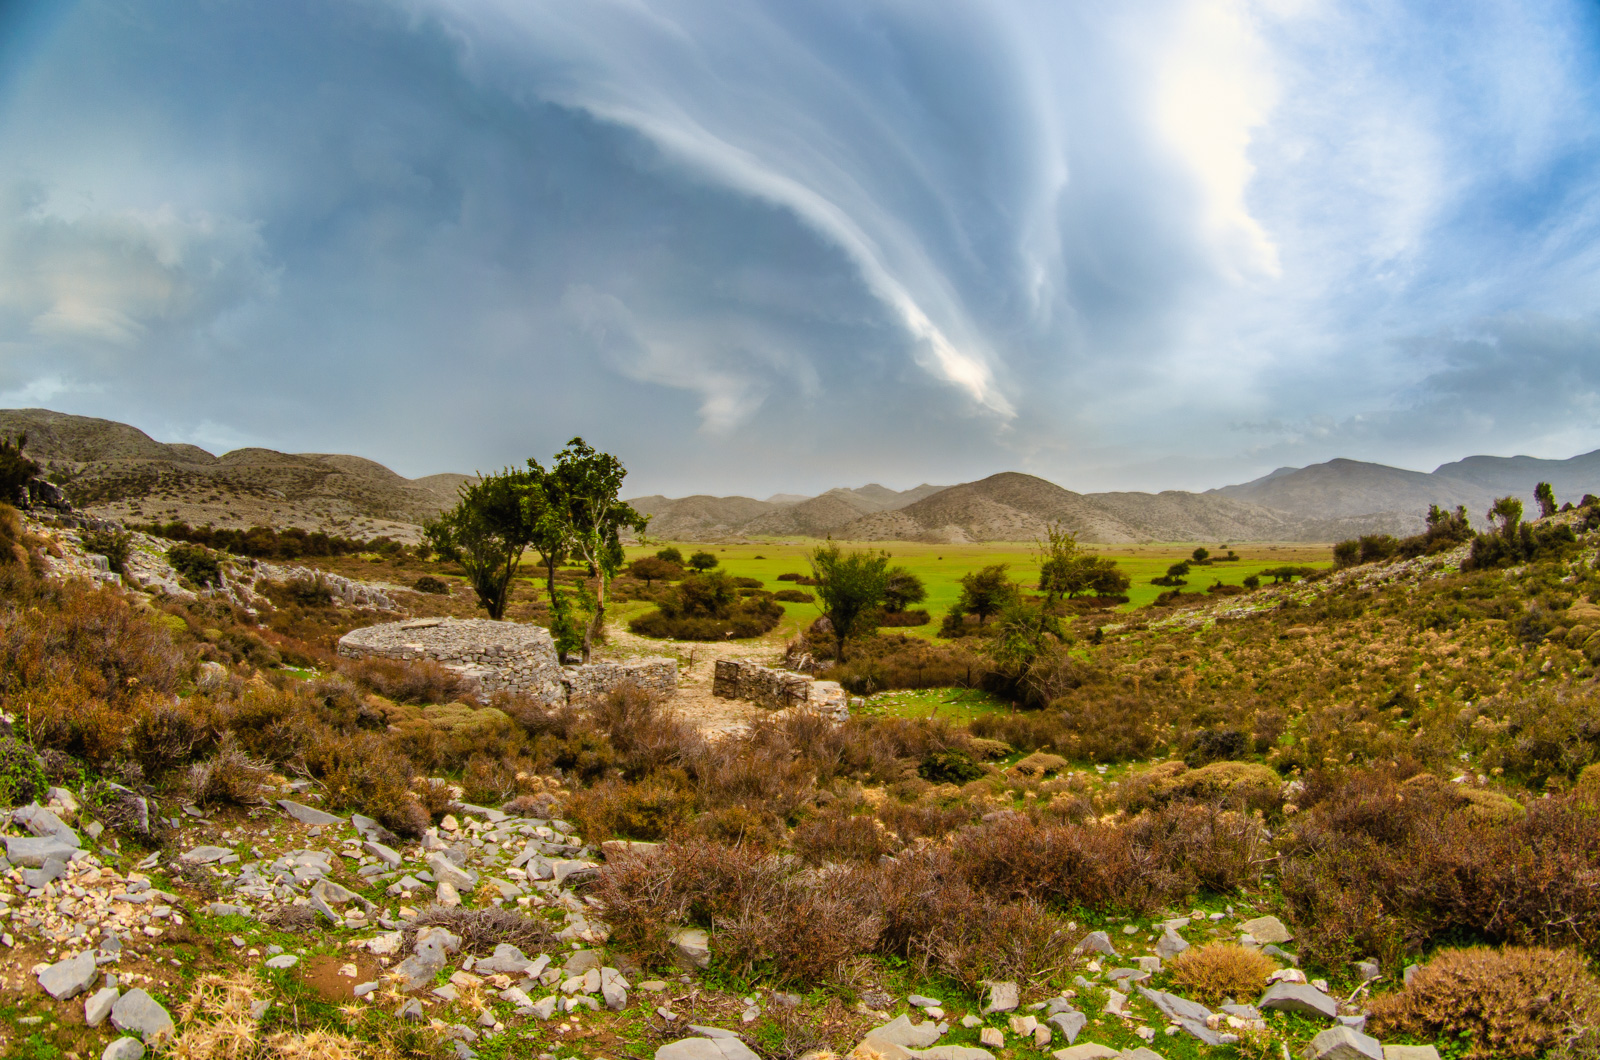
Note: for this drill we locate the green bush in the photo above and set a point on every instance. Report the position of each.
(949, 767)
(196, 564)
(112, 544)
(429, 584)
(794, 596)
(21, 777)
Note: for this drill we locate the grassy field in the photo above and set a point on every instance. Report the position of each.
(941, 567)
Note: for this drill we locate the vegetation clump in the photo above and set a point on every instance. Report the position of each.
(1221, 970)
(708, 607)
(1512, 1002)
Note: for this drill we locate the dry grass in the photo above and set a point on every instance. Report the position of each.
(217, 1025)
(1221, 970)
(481, 930)
(1508, 1003)
(231, 777)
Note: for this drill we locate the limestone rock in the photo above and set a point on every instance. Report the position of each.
(445, 871)
(691, 948)
(71, 977)
(1069, 1023)
(139, 1012)
(901, 1031)
(124, 1049)
(1267, 930)
(1299, 997)
(1003, 997)
(1342, 1043)
(706, 1049)
(97, 1008)
(1410, 1052)
(1086, 1051)
(1170, 945)
(33, 851)
(308, 814)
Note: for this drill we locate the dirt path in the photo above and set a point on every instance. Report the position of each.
(698, 661)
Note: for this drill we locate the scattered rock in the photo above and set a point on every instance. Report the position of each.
(901, 1031)
(691, 948)
(706, 1049)
(282, 961)
(1342, 1043)
(139, 1012)
(1086, 1051)
(992, 1037)
(1410, 1052)
(1170, 945)
(1003, 997)
(204, 855)
(1069, 1023)
(97, 1008)
(71, 977)
(124, 1049)
(1267, 930)
(1299, 997)
(1097, 942)
(308, 814)
(33, 851)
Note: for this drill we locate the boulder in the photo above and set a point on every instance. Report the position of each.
(901, 1031)
(445, 871)
(691, 948)
(1342, 1043)
(706, 1049)
(1070, 1024)
(97, 1008)
(1003, 997)
(1097, 942)
(1299, 997)
(140, 1013)
(386, 854)
(1267, 930)
(33, 851)
(71, 977)
(418, 970)
(1174, 1007)
(124, 1049)
(308, 814)
(506, 959)
(1170, 945)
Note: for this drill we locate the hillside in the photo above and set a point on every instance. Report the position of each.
(118, 471)
(1396, 498)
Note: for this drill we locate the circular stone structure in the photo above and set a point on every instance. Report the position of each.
(496, 655)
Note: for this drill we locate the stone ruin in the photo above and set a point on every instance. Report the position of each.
(506, 656)
(778, 689)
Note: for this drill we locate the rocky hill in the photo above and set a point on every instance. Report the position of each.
(115, 470)
(1342, 489)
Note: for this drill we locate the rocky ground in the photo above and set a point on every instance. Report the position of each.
(480, 936)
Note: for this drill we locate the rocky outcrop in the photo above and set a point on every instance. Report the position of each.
(778, 689)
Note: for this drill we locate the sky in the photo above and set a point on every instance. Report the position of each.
(761, 246)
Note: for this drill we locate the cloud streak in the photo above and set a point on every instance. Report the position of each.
(779, 246)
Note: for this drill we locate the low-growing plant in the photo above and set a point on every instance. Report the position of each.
(1221, 970)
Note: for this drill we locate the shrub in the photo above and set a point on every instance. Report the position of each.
(652, 810)
(949, 767)
(418, 681)
(196, 564)
(670, 555)
(481, 930)
(231, 777)
(794, 596)
(21, 778)
(917, 617)
(798, 579)
(1505, 1003)
(1221, 970)
(114, 545)
(837, 835)
(702, 561)
(429, 584)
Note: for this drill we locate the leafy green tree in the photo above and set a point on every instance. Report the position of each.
(487, 532)
(1508, 512)
(1058, 555)
(1022, 633)
(548, 532)
(653, 568)
(584, 488)
(702, 561)
(902, 589)
(670, 555)
(1201, 555)
(1545, 494)
(984, 592)
(1252, 581)
(851, 587)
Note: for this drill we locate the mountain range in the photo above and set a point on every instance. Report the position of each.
(115, 470)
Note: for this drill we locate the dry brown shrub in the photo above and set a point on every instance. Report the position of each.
(231, 777)
(925, 819)
(420, 681)
(648, 737)
(489, 780)
(1221, 970)
(800, 927)
(66, 717)
(481, 930)
(651, 810)
(837, 835)
(165, 734)
(1514, 1002)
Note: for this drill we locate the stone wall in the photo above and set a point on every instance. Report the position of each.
(506, 655)
(496, 655)
(777, 689)
(656, 675)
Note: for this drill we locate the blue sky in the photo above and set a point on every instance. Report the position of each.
(767, 246)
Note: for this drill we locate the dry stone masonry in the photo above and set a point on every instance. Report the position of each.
(506, 656)
(778, 689)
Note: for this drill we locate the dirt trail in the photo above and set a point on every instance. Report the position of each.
(694, 700)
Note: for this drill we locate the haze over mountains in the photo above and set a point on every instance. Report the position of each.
(116, 470)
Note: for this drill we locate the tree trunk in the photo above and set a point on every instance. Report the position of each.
(599, 617)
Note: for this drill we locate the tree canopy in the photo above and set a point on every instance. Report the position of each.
(851, 587)
(584, 488)
(487, 532)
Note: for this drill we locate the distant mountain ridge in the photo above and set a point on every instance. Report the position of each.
(116, 470)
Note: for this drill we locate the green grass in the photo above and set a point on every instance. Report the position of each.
(942, 566)
(959, 705)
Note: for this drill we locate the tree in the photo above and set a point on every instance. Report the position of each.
(1058, 554)
(670, 555)
(851, 587)
(902, 589)
(984, 592)
(548, 533)
(487, 532)
(583, 487)
(702, 561)
(1508, 511)
(1202, 555)
(1545, 494)
(652, 568)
